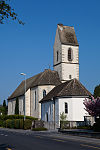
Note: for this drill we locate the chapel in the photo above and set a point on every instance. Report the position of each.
(52, 92)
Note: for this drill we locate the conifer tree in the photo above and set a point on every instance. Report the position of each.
(17, 107)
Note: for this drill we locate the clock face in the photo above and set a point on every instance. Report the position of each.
(70, 37)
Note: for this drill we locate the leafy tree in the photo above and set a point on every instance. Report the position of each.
(97, 91)
(17, 107)
(6, 12)
(92, 106)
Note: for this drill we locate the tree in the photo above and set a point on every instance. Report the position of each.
(6, 12)
(92, 106)
(63, 117)
(17, 107)
(4, 103)
(97, 91)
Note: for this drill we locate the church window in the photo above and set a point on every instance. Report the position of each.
(66, 108)
(50, 108)
(47, 116)
(44, 93)
(35, 100)
(69, 54)
(70, 77)
(57, 55)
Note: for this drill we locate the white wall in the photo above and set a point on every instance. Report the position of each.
(21, 105)
(47, 107)
(27, 102)
(39, 90)
(11, 106)
(76, 111)
(57, 47)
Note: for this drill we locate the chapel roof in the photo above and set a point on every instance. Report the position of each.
(48, 77)
(69, 88)
(67, 35)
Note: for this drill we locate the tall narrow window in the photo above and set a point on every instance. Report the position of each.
(44, 93)
(66, 108)
(47, 116)
(70, 77)
(57, 55)
(35, 100)
(50, 109)
(69, 54)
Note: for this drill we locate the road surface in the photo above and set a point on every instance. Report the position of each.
(12, 140)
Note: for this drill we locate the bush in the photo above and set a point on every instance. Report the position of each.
(9, 123)
(64, 124)
(17, 123)
(27, 124)
(96, 126)
(39, 129)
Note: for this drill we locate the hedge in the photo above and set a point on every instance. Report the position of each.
(39, 129)
(18, 123)
(5, 117)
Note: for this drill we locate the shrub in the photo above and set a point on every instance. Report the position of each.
(64, 125)
(9, 123)
(39, 129)
(27, 124)
(96, 126)
(17, 124)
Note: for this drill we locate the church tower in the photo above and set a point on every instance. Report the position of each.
(66, 53)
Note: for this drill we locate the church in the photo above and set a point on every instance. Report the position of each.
(52, 92)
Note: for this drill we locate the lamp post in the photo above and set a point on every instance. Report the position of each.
(24, 95)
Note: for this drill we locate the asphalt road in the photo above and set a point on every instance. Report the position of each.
(11, 140)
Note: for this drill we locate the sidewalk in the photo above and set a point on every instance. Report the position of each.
(81, 132)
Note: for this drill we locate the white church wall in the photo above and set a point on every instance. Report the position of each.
(48, 88)
(11, 106)
(27, 102)
(75, 53)
(21, 105)
(76, 111)
(34, 102)
(57, 47)
(70, 69)
(39, 95)
(47, 108)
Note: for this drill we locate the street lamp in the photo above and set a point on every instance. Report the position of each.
(25, 96)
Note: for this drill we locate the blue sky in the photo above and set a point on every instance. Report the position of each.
(29, 48)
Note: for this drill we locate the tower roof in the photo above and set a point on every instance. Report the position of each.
(48, 77)
(67, 35)
(69, 88)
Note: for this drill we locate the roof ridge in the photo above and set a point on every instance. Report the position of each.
(82, 86)
(65, 85)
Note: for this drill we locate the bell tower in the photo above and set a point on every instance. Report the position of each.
(66, 53)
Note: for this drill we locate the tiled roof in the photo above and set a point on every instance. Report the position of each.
(48, 77)
(67, 35)
(69, 88)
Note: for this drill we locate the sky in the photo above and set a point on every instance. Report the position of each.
(29, 48)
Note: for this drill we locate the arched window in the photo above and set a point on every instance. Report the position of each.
(69, 54)
(66, 108)
(57, 55)
(44, 93)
